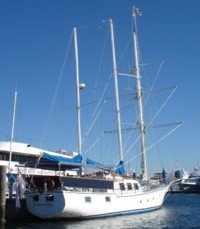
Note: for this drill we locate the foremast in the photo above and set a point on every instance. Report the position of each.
(137, 73)
(78, 106)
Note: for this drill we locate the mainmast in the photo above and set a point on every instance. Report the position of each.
(141, 125)
(116, 92)
(12, 129)
(78, 87)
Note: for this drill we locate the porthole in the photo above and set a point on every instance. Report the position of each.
(107, 198)
(88, 199)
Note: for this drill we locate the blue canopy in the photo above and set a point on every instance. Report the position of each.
(63, 162)
(53, 161)
(120, 168)
(62, 159)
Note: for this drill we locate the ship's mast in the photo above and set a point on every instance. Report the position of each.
(12, 130)
(139, 96)
(116, 91)
(78, 107)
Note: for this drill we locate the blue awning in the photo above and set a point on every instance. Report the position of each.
(62, 159)
(63, 162)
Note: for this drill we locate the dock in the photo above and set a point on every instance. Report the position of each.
(8, 210)
(13, 213)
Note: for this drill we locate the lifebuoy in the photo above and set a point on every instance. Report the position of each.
(50, 184)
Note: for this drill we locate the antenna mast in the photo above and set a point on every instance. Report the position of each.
(12, 129)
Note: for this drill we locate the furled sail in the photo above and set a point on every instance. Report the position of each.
(120, 168)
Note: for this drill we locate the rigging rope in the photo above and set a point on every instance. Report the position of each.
(104, 91)
(91, 25)
(146, 100)
(55, 92)
(98, 139)
(92, 124)
(151, 88)
(152, 120)
(162, 138)
(101, 58)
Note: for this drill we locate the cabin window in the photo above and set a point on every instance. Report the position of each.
(107, 199)
(122, 187)
(129, 186)
(136, 186)
(88, 199)
(4, 156)
(15, 157)
(22, 159)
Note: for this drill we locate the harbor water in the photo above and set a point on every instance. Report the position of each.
(178, 211)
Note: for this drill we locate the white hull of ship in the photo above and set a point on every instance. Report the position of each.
(73, 205)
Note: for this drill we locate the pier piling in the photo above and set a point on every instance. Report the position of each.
(2, 193)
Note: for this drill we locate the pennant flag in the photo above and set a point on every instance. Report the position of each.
(137, 11)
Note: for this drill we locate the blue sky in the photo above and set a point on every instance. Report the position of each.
(33, 41)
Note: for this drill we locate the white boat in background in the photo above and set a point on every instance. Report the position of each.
(191, 182)
(22, 154)
(16, 154)
(108, 192)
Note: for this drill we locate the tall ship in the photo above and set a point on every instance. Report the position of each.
(109, 191)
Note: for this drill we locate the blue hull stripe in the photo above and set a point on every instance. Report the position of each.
(130, 212)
